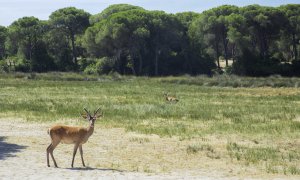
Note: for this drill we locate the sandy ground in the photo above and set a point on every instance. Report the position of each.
(109, 154)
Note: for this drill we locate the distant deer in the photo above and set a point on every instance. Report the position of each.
(170, 98)
(72, 135)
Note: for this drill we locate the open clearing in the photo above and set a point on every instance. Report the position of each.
(110, 153)
(114, 154)
(211, 133)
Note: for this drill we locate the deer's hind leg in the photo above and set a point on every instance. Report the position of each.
(50, 150)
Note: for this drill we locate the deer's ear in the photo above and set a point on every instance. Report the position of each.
(98, 115)
(84, 115)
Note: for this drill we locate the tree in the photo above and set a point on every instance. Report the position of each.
(25, 39)
(291, 31)
(236, 34)
(131, 40)
(213, 29)
(141, 42)
(71, 22)
(23, 36)
(57, 45)
(264, 25)
(205, 37)
(112, 9)
(123, 36)
(186, 18)
(3, 36)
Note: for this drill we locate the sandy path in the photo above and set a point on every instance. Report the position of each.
(23, 155)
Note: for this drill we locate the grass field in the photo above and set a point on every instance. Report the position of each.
(253, 122)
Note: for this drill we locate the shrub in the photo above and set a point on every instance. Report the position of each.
(83, 63)
(91, 69)
(251, 64)
(105, 65)
(3, 66)
(18, 64)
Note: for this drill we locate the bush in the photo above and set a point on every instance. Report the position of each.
(91, 69)
(23, 67)
(83, 63)
(296, 67)
(251, 64)
(105, 65)
(17, 64)
(3, 66)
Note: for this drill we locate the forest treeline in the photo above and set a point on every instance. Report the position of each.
(252, 40)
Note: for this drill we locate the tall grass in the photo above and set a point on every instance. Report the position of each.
(236, 81)
(138, 104)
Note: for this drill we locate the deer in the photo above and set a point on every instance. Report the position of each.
(72, 135)
(170, 98)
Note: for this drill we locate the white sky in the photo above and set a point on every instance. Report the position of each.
(11, 10)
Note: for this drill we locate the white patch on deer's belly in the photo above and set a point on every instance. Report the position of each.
(68, 141)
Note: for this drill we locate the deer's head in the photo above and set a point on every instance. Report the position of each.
(92, 118)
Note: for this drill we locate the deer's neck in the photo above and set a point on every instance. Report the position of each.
(90, 130)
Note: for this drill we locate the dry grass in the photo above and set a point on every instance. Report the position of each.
(131, 152)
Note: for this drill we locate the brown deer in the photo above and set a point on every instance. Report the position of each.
(72, 135)
(170, 98)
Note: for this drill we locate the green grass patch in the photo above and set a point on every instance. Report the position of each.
(138, 104)
(252, 154)
(193, 149)
(234, 81)
(275, 159)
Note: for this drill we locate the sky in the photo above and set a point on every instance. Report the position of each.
(11, 10)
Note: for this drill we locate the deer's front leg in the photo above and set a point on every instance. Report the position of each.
(81, 154)
(74, 153)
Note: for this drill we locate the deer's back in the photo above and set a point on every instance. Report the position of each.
(170, 98)
(67, 134)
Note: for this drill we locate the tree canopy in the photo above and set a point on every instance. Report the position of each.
(252, 40)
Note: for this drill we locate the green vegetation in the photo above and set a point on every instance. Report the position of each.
(138, 103)
(235, 81)
(252, 40)
(276, 159)
(191, 149)
(254, 126)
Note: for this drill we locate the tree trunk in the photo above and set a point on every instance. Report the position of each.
(130, 60)
(217, 51)
(140, 64)
(295, 47)
(73, 48)
(157, 52)
(233, 52)
(118, 60)
(263, 44)
(261, 48)
(225, 43)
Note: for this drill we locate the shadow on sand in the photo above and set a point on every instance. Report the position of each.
(7, 149)
(94, 169)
